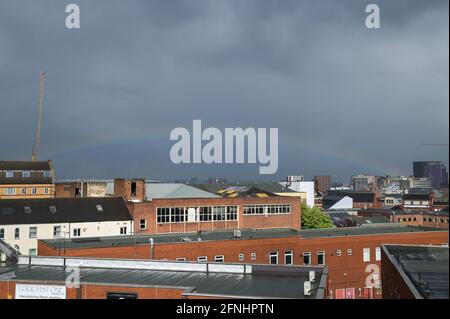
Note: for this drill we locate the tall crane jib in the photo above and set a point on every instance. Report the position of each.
(37, 136)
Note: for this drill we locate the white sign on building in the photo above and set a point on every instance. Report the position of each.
(40, 292)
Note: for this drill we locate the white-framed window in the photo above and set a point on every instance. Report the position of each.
(339, 253)
(181, 259)
(241, 257)
(26, 174)
(46, 190)
(219, 258)
(377, 253)
(202, 259)
(2, 233)
(307, 258)
(24, 191)
(47, 174)
(349, 252)
(267, 209)
(32, 252)
(273, 258)
(9, 174)
(366, 255)
(56, 231)
(288, 257)
(17, 233)
(123, 230)
(34, 191)
(76, 232)
(142, 224)
(10, 191)
(33, 232)
(253, 256)
(321, 258)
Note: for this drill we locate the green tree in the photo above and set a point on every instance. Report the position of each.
(314, 218)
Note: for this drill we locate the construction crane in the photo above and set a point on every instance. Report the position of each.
(37, 136)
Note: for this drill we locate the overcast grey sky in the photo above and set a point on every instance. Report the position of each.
(346, 99)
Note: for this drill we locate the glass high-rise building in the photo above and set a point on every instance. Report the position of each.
(434, 170)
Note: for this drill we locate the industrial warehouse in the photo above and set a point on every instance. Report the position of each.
(137, 279)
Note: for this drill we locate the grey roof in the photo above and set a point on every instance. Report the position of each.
(340, 218)
(418, 196)
(358, 197)
(66, 210)
(247, 188)
(173, 190)
(262, 282)
(25, 165)
(426, 269)
(228, 235)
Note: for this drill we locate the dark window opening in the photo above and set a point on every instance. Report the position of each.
(133, 189)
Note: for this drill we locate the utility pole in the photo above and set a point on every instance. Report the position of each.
(37, 136)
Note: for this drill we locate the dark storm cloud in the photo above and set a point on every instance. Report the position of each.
(345, 99)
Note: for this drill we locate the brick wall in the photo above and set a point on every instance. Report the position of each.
(91, 291)
(345, 271)
(147, 211)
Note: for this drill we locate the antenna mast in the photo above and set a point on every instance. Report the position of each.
(37, 136)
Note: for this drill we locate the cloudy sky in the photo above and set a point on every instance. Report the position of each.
(346, 99)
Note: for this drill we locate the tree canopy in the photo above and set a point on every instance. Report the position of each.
(314, 218)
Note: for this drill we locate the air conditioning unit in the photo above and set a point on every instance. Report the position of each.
(307, 288)
(312, 276)
(237, 234)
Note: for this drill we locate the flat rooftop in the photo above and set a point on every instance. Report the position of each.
(97, 242)
(213, 279)
(425, 267)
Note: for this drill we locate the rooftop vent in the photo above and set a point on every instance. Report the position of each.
(27, 209)
(52, 209)
(185, 239)
(237, 234)
(99, 208)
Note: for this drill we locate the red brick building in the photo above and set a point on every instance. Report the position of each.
(438, 219)
(190, 214)
(347, 252)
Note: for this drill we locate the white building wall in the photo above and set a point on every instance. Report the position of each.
(45, 231)
(345, 203)
(302, 186)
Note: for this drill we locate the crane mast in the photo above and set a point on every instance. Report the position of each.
(37, 136)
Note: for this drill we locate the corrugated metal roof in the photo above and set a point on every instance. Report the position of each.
(229, 235)
(173, 190)
(289, 284)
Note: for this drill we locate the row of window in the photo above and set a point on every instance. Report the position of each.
(266, 209)
(288, 257)
(416, 202)
(425, 219)
(27, 174)
(24, 191)
(33, 231)
(194, 214)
